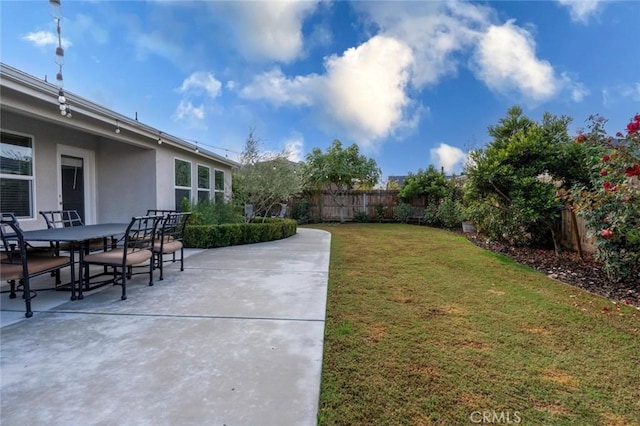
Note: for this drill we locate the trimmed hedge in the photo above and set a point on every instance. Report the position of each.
(232, 234)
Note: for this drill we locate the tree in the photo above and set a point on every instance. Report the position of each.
(264, 179)
(338, 170)
(429, 183)
(512, 183)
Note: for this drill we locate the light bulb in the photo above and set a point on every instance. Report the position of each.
(63, 107)
(61, 97)
(117, 129)
(63, 110)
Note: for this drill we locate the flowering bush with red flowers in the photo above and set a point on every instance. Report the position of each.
(611, 204)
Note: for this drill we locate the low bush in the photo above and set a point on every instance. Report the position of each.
(402, 212)
(231, 234)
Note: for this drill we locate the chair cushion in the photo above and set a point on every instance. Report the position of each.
(169, 247)
(114, 257)
(35, 265)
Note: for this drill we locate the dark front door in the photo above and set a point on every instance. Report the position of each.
(73, 184)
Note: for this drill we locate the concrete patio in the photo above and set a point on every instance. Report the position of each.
(235, 339)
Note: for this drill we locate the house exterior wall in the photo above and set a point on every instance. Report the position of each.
(126, 181)
(46, 137)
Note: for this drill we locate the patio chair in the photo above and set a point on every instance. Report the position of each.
(134, 248)
(283, 211)
(248, 211)
(65, 219)
(19, 264)
(170, 240)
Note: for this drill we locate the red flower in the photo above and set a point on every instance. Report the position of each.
(608, 186)
(633, 171)
(604, 172)
(606, 233)
(606, 158)
(633, 127)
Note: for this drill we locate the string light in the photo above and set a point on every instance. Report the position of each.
(160, 138)
(56, 12)
(117, 126)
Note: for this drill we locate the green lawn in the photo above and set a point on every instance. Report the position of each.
(424, 327)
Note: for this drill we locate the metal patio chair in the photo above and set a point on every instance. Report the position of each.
(134, 248)
(170, 240)
(19, 264)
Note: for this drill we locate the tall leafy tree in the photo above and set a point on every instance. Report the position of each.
(339, 170)
(429, 183)
(513, 183)
(265, 179)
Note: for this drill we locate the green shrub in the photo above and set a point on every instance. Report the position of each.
(208, 213)
(449, 213)
(230, 234)
(302, 211)
(361, 217)
(380, 212)
(431, 215)
(402, 212)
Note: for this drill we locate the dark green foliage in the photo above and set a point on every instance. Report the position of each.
(209, 213)
(210, 236)
(512, 183)
(429, 183)
(380, 212)
(402, 212)
(449, 213)
(361, 217)
(302, 211)
(431, 215)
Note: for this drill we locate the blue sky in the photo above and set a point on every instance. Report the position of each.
(412, 83)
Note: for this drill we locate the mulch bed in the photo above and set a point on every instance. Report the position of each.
(584, 273)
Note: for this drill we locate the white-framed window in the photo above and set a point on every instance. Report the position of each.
(16, 175)
(182, 179)
(204, 183)
(218, 191)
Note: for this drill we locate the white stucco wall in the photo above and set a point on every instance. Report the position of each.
(126, 181)
(46, 137)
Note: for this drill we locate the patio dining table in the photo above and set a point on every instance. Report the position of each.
(77, 237)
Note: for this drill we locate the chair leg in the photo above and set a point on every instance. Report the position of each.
(181, 260)
(12, 289)
(124, 283)
(160, 265)
(27, 297)
(151, 271)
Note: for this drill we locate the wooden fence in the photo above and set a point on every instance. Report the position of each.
(324, 208)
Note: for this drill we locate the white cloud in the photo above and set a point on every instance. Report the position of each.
(294, 148)
(44, 38)
(448, 157)
(581, 10)
(363, 91)
(269, 30)
(186, 111)
(201, 80)
(577, 90)
(505, 60)
(274, 86)
(435, 31)
(365, 87)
